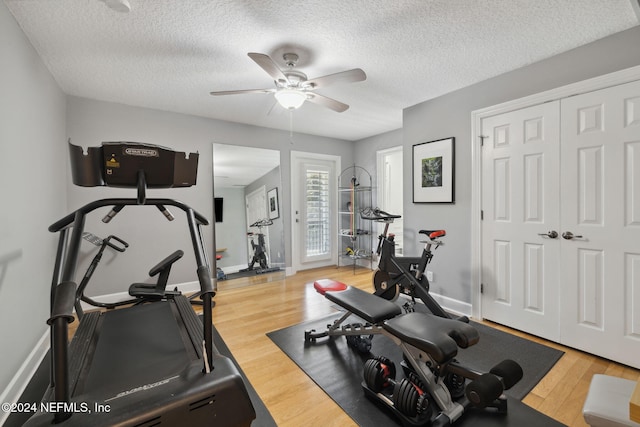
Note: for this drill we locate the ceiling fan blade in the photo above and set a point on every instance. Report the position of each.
(239, 92)
(267, 64)
(349, 76)
(327, 102)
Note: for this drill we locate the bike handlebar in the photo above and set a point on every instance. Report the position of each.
(262, 223)
(377, 215)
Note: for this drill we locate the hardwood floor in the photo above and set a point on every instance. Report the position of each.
(246, 311)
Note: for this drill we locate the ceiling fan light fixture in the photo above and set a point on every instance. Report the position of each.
(290, 99)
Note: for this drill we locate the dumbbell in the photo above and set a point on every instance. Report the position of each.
(485, 389)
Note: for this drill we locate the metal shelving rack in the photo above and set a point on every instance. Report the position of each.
(355, 234)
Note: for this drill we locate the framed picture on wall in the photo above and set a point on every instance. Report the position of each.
(433, 171)
(272, 201)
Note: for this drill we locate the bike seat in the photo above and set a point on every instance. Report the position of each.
(433, 234)
(157, 290)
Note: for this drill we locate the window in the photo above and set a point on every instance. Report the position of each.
(318, 215)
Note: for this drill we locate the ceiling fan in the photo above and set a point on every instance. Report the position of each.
(292, 86)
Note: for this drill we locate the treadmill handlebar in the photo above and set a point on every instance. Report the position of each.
(89, 207)
(122, 248)
(63, 302)
(206, 284)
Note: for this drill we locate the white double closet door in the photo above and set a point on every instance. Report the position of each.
(561, 221)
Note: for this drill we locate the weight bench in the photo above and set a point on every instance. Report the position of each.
(374, 310)
(435, 389)
(436, 336)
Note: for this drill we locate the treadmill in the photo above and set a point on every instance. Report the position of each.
(148, 364)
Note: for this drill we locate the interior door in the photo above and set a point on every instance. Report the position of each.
(520, 197)
(600, 275)
(390, 184)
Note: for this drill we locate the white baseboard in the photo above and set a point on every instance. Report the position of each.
(453, 305)
(21, 379)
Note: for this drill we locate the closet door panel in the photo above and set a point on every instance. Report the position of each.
(600, 221)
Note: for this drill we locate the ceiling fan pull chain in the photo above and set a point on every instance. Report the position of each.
(291, 126)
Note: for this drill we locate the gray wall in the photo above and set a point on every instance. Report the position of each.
(231, 231)
(151, 237)
(450, 115)
(33, 188)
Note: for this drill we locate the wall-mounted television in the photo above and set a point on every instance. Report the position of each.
(217, 206)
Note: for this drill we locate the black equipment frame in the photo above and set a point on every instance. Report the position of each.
(406, 274)
(64, 293)
(138, 165)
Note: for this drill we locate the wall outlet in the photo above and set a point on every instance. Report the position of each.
(430, 276)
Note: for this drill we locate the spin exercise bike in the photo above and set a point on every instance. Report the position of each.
(260, 249)
(150, 363)
(434, 388)
(406, 275)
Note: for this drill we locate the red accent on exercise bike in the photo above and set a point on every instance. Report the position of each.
(437, 233)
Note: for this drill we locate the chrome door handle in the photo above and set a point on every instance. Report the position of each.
(551, 234)
(569, 235)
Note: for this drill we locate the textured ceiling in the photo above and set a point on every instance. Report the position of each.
(169, 54)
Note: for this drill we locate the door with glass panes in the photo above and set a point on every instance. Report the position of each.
(313, 187)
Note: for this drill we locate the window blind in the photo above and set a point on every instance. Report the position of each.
(318, 217)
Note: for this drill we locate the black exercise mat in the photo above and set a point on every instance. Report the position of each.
(337, 369)
(40, 381)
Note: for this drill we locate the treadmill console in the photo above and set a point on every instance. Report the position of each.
(125, 164)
